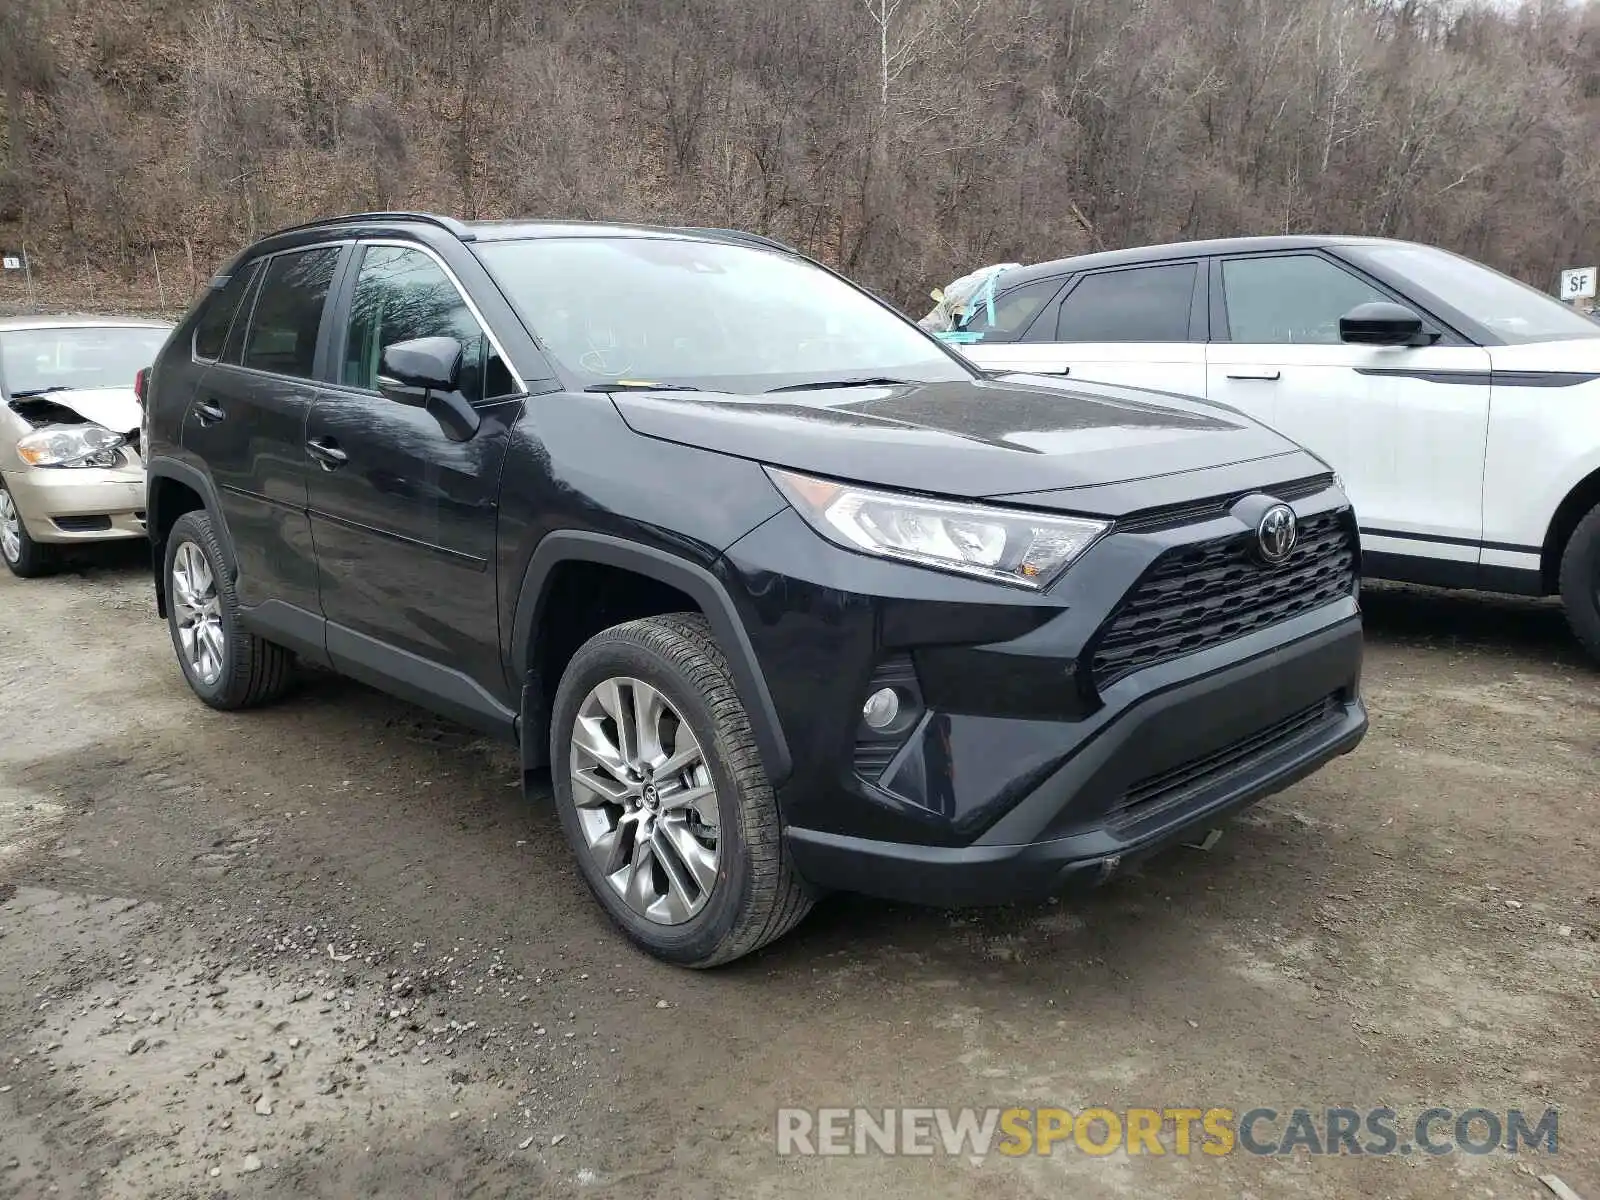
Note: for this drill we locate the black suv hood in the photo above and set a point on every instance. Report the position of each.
(979, 438)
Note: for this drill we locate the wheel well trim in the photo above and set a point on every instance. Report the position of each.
(197, 482)
(699, 584)
(1554, 546)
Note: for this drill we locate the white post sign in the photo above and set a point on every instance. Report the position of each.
(11, 262)
(1578, 283)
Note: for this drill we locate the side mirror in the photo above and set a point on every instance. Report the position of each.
(426, 373)
(1381, 323)
(408, 371)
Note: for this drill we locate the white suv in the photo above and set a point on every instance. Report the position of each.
(1461, 408)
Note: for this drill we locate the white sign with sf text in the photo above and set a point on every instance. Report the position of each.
(1578, 283)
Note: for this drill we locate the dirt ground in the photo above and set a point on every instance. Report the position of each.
(327, 950)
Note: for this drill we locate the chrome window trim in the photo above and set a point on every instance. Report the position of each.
(466, 298)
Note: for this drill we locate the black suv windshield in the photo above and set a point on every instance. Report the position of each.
(710, 315)
(1513, 310)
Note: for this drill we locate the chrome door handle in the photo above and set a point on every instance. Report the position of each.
(208, 413)
(326, 451)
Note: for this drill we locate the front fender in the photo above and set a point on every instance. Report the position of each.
(690, 578)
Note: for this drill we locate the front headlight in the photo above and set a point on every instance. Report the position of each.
(1022, 548)
(70, 446)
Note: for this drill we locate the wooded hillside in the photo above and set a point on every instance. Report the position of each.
(905, 141)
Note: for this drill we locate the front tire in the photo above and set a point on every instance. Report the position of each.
(663, 796)
(226, 666)
(26, 558)
(1580, 582)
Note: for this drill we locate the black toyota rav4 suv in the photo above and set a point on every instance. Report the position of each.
(786, 595)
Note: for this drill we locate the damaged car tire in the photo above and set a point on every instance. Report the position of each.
(227, 666)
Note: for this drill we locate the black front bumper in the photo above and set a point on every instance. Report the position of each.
(1180, 748)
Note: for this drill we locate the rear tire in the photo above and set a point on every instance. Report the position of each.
(227, 666)
(717, 884)
(1580, 582)
(26, 558)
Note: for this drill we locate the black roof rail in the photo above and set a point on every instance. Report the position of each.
(454, 226)
(739, 235)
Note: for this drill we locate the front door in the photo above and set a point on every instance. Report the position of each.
(404, 514)
(1405, 426)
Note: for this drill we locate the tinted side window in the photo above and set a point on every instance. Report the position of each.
(1011, 313)
(1296, 299)
(217, 313)
(402, 294)
(233, 351)
(1145, 304)
(288, 312)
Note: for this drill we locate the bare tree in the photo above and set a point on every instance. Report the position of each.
(904, 140)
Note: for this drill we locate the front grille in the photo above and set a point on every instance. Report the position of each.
(1195, 779)
(1199, 596)
(82, 524)
(873, 757)
(1205, 510)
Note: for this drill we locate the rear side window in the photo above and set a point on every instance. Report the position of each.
(1145, 304)
(211, 331)
(288, 312)
(1011, 311)
(1294, 300)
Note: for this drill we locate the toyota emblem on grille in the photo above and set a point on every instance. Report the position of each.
(1276, 534)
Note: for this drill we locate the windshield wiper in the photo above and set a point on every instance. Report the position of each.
(25, 393)
(640, 385)
(817, 385)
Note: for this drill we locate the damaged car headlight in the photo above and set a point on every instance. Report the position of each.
(1027, 549)
(70, 446)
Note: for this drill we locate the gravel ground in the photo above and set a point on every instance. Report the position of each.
(326, 950)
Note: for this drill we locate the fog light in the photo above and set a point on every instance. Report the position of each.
(881, 709)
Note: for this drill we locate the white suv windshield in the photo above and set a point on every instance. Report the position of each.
(1513, 310)
(708, 315)
(76, 357)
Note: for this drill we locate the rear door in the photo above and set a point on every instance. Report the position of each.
(1141, 326)
(403, 514)
(1405, 426)
(246, 423)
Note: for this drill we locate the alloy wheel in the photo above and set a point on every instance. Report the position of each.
(197, 613)
(645, 800)
(10, 528)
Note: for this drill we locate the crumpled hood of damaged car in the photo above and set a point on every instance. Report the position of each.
(117, 409)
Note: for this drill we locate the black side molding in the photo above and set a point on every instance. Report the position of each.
(690, 578)
(306, 633)
(426, 684)
(1545, 379)
(1442, 540)
(1451, 573)
(399, 672)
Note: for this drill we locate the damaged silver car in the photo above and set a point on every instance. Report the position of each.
(70, 466)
